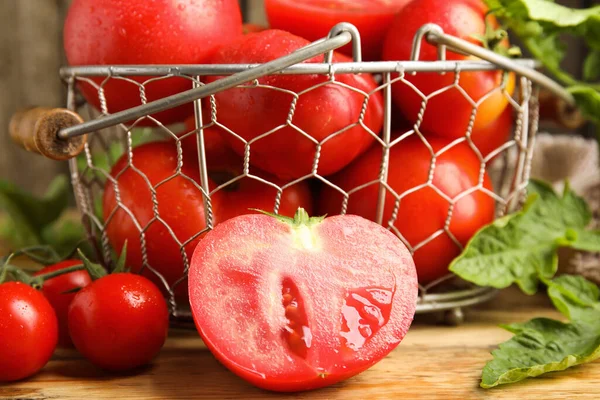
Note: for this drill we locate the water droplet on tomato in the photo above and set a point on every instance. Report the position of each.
(364, 312)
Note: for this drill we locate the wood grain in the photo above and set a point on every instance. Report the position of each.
(31, 55)
(433, 362)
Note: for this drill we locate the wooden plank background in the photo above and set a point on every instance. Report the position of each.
(31, 54)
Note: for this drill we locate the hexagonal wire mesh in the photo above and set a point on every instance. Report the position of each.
(163, 197)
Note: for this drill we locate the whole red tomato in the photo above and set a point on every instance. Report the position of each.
(55, 291)
(300, 304)
(492, 136)
(249, 193)
(448, 113)
(422, 213)
(119, 321)
(108, 32)
(217, 150)
(240, 196)
(180, 211)
(28, 331)
(319, 112)
(313, 19)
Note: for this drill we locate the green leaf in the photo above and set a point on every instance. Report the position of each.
(557, 15)
(543, 345)
(541, 26)
(65, 235)
(591, 66)
(576, 298)
(28, 213)
(521, 248)
(584, 240)
(38, 211)
(539, 346)
(588, 100)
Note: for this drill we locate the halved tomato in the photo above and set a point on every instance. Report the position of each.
(297, 304)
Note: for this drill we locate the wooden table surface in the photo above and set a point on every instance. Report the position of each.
(432, 362)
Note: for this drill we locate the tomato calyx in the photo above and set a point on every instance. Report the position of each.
(301, 218)
(96, 271)
(495, 39)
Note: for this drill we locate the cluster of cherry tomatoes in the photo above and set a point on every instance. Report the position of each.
(151, 199)
(117, 321)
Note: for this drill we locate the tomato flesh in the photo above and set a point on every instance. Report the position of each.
(297, 308)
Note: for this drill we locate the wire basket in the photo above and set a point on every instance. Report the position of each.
(117, 137)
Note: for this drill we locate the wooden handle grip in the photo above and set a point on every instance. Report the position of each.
(554, 109)
(36, 130)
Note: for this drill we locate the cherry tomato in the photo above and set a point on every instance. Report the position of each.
(422, 213)
(320, 112)
(313, 19)
(28, 331)
(55, 291)
(301, 304)
(119, 321)
(106, 32)
(492, 136)
(180, 207)
(448, 113)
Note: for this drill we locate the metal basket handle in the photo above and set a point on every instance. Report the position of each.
(340, 35)
(344, 34)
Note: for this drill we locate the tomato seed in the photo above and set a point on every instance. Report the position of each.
(297, 333)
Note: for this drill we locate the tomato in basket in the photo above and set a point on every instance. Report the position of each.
(28, 331)
(492, 136)
(302, 303)
(313, 19)
(423, 212)
(179, 211)
(321, 110)
(106, 32)
(447, 113)
(241, 195)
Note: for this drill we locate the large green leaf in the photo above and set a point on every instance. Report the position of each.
(539, 346)
(541, 25)
(521, 248)
(30, 214)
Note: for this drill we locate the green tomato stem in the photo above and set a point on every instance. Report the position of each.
(54, 274)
